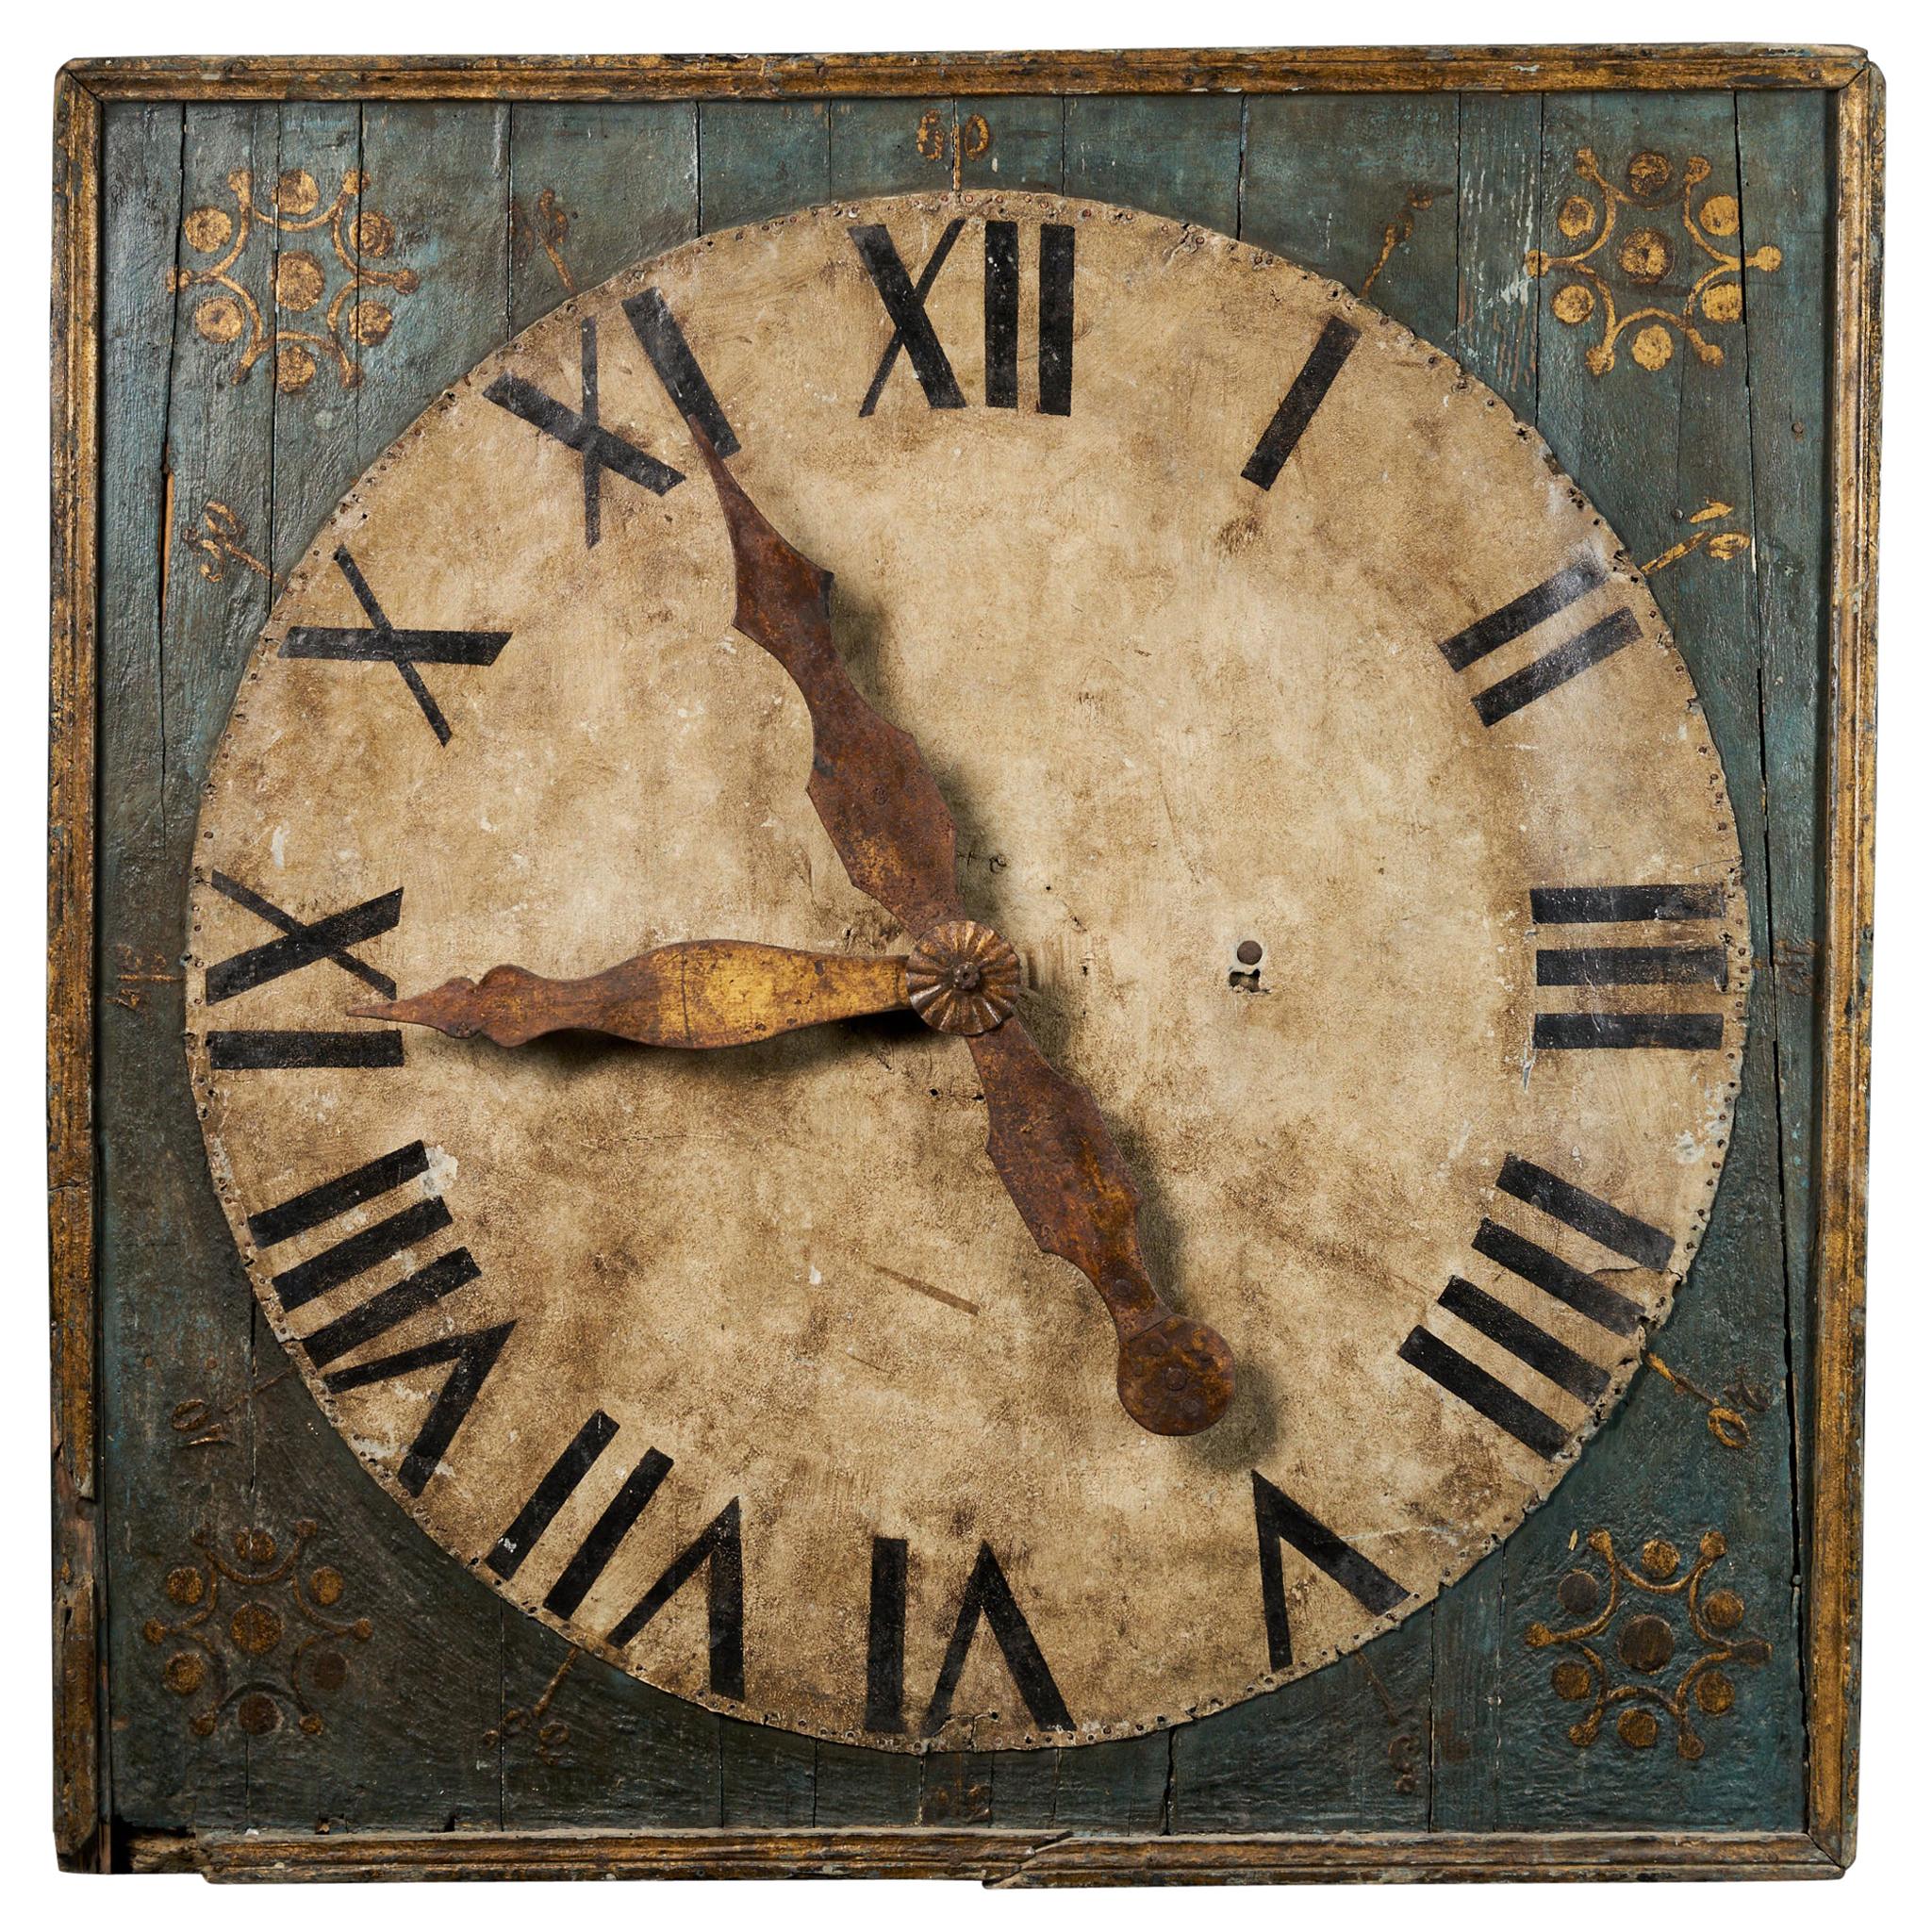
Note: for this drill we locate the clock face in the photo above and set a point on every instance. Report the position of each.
(1313, 742)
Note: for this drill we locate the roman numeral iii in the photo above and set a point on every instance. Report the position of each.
(913, 331)
(1537, 606)
(1553, 1361)
(469, 1356)
(1670, 1018)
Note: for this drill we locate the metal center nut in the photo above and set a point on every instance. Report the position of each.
(962, 978)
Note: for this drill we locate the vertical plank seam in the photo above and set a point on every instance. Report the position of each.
(1774, 1001)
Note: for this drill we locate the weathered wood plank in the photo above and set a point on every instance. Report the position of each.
(427, 198)
(593, 190)
(1786, 204)
(759, 159)
(1362, 190)
(172, 1332)
(1176, 157)
(1654, 438)
(1025, 142)
(890, 147)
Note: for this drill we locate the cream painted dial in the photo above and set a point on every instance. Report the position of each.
(1312, 741)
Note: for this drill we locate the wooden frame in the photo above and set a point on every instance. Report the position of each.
(994, 1856)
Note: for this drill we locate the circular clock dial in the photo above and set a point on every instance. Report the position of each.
(1313, 745)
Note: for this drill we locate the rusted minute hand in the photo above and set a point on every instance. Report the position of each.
(891, 828)
(698, 993)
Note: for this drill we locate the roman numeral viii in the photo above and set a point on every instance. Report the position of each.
(913, 331)
(1535, 607)
(469, 1357)
(718, 1549)
(302, 943)
(1552, 1361)
(1672, 967)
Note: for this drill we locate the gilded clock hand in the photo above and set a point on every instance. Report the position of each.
(697, 993)
(891, 828)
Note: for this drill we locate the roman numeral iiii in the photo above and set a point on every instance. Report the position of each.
(469, 1357)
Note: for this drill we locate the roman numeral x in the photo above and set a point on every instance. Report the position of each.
(382, 643)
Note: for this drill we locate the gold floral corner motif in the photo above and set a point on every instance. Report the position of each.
(1647, 1641)
(313, 322)
(255, 1634)
(1626, 247)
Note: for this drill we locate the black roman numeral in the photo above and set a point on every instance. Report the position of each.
(677, 368)
(278, 1050)
(1279, 1519)
(988, 1597)
(1683, 963)
(471, 1357)
(1556, 1362)
(382, 643)
(581, 429)
(913, 331)
(1536, 607)
(302, 943)
(1305, 395)
(717, 1548)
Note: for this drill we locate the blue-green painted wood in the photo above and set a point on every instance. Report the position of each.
(1362, 190)
(1785, 203)
(1496, 215)
(1451, 1720)
(593, 190)
(1178, 155)
(1652, 445)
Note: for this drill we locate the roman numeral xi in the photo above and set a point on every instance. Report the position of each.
(302, 943)
(1552, 1360)
(913, 331)
(467, 1357)
(1693, 962)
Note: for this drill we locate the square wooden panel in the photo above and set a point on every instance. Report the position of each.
(1730, 437)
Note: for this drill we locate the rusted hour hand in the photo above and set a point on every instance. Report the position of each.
(698, 993)
(890, 826)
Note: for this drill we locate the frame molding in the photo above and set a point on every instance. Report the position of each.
(82, 1826)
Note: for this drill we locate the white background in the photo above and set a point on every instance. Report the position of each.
(1893, 1816)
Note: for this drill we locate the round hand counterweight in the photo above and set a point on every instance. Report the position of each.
(895, 836)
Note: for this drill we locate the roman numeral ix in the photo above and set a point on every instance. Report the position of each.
(913, 332)
(1694, 962)
(332, 937)
(382, 643)
(1553, 1361)
(1537, 606)
(469, 1356)
(718, 1549)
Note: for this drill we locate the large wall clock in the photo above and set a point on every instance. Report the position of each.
(1312, 834)
(918, 1007)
